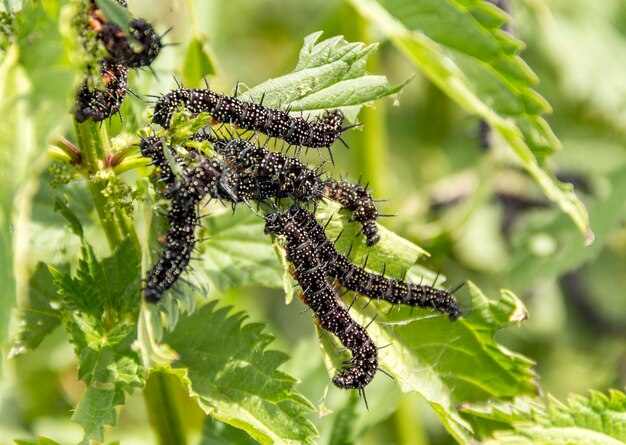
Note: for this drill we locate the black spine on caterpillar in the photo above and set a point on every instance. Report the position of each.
(356, 198)
(100, 104)
(297, 131)
(370, 284)
(202, 180)
(321, 297)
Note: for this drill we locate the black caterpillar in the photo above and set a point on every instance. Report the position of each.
(102, 103)
(204, 179)
(281, 176)
(134, 51)
(210, 177)
(250, 116)
(249, 172)
(99, 104)
(152, 147)
(356, 198)
(372, 285)
(322, 298)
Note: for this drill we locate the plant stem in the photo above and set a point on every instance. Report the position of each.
(163, 409)
(93, 143)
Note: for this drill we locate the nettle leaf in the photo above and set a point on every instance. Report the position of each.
(228, 369)
(109, 368)
(99, 303)
(40, 317)
(446, 362)
(459, 46)
(449, 362)
(109, 285)
(237, 253)
(329, 74)
(599, 419)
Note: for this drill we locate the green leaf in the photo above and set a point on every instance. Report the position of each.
(329, 74)
(99, 302)
(40, 317)
(595, 420)
(219, 433)
(448, 362)
(102, 288)
(227, 368)
(110, 369)
(35, 83)
(529, 263)
(236, 252)
(198, 61)
(460, 48)
(68, 214)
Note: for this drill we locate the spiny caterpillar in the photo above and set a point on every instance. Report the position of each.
(121, 49)
(200, 181)
(137, 50)
(297, 131)
(99, 104)
(322, 298)
(284, 176)
(372, 285)
(245, 172)
(356, 198)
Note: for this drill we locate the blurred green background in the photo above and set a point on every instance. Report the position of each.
(480, 217)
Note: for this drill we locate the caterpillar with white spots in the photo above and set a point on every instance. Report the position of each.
(297, 131)
(372, 285)
(322, 298)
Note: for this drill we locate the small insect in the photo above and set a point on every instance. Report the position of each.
(369, 284)
(322, 298)
(321, 132)
(99, 104)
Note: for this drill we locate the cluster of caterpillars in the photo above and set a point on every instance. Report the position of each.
(136, 49)
(320, 270)
(242, 170)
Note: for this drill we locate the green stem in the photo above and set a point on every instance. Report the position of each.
(163, 409)
(93, 143)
